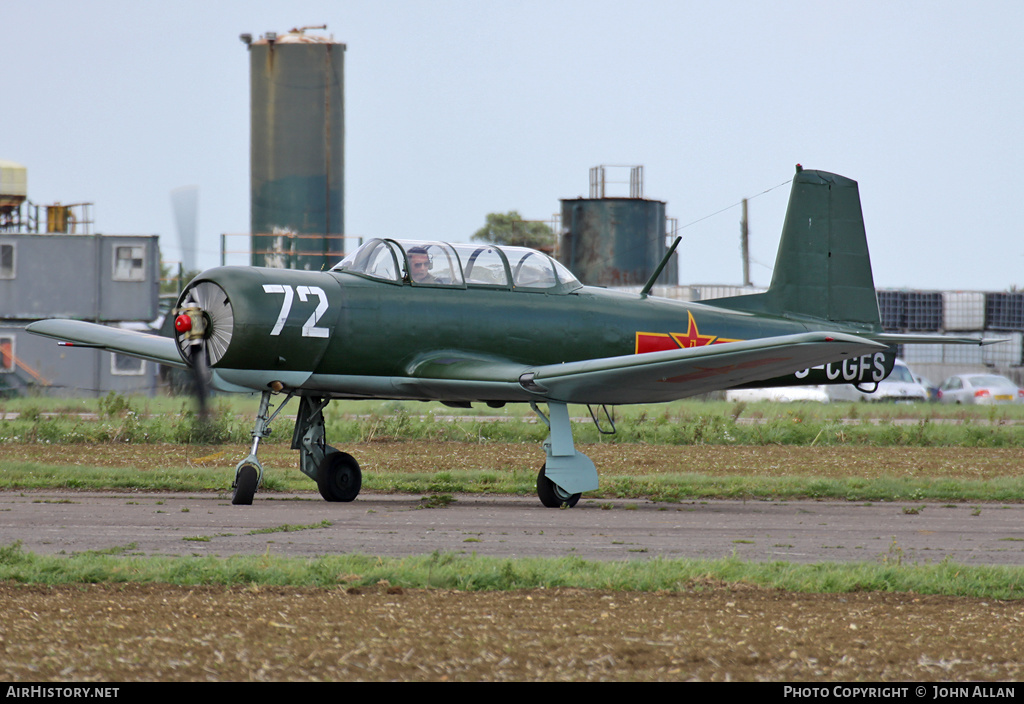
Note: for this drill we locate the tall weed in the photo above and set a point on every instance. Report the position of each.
(686, 423)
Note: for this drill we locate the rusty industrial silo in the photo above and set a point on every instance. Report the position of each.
(297, 158)
(615, 241)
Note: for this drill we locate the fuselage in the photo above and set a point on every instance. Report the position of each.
(432, 320)
(349, 333)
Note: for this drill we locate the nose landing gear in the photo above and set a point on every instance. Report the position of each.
(336, 473)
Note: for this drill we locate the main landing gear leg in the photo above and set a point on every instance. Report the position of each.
(337, 474)
(566, 473)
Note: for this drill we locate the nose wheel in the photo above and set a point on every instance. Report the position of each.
(249, 472)
(247, 478)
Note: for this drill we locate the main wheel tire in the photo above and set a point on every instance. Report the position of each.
(339, 477)
(552, 495)
(245, 485)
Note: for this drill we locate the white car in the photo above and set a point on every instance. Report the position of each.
(980, 389)
(783, 394)
(900, 386)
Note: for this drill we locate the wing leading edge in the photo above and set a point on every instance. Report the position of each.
(154, 348)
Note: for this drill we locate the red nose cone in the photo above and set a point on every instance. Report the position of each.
(183, 323)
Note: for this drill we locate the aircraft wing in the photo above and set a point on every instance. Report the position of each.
(673, 374)
(155, 348)
(634, 378)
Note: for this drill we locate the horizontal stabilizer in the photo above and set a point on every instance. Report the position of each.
(900, 338)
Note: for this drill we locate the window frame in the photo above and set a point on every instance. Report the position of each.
(453, 260)
(389, 245)
(471, 251)
(142, 276)
(115, 371)
(14, 261)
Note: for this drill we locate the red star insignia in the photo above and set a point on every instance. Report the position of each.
(693, 338)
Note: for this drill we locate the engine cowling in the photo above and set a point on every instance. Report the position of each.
(258, 325)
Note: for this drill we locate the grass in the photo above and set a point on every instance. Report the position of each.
(115, 419)
(291, 528)
(478, 573)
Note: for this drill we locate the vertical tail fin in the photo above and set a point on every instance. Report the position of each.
(823, 269)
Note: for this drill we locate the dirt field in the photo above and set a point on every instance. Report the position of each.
(711, 632)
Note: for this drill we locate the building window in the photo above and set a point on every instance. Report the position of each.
(130, 263)
(123, 365)
(6, 355)
(7, 261)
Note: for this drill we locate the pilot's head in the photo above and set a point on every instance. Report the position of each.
(419, 264)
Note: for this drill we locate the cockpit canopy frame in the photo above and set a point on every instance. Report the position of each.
(442, 265)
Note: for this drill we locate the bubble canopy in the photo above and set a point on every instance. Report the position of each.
(439, 264)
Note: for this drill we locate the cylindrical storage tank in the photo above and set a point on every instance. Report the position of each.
(57, 218)
(615, 241)
(297, 150)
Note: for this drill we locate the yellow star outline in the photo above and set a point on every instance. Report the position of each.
(692, 338)
(656, 341)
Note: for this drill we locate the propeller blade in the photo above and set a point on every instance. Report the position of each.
(185, 204)
(200, 375)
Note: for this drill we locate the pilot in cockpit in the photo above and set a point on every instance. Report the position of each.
(419, 265)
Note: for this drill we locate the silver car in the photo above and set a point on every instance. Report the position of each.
(980, 388)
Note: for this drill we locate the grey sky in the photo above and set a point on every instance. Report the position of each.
(459, 108)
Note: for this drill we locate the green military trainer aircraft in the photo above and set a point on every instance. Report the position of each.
(463, 323)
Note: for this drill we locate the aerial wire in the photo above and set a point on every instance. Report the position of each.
(730, 207)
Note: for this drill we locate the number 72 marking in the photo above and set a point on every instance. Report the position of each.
(309, 328)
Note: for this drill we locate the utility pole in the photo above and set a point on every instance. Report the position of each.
(745, 245)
